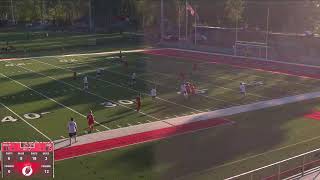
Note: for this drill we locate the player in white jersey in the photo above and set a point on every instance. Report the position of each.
(72, 130)
(99, 72)
(243, 89)
(183, 90)
(153, 93)
(86, 83)
(133, 78)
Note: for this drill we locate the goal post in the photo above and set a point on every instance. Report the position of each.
(251, 49)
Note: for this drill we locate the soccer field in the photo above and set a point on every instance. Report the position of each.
(41, 94)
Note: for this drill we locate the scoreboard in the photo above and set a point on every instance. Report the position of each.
(27, 159)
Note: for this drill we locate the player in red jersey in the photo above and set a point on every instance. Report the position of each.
(193, 89)
(91, 120)
(138, 103)
(182, 76)
(195, 67)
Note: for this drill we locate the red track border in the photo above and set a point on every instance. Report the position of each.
(105, 145)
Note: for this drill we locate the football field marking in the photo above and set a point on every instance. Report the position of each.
(153, 72)
(26, 122)
(170, 76)
(50, 98)
(89, 92)
(233, 70)
(118, 85)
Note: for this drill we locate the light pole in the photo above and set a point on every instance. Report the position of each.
(12, 13)
(161, 22)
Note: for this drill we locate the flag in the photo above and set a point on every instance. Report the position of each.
(189, 8)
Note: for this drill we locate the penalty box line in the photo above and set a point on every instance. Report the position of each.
(33, 127)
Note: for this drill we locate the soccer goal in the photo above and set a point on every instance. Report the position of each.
(251, 49)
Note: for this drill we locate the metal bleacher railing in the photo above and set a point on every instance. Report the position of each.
(291, 168)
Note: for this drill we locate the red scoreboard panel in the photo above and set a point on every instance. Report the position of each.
(27, 159)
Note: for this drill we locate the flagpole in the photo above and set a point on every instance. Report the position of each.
(267, 36)
(195, 26)
(235, 44)
(186, 20)
(179, 21)
(12, 14)
(161, 22)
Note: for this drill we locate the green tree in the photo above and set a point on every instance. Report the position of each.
(234, 10)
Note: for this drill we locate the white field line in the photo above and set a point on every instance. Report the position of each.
(252, 68)
(26, 122)
(49, 98)
(218, 77)
(118, 85)
(243, 57)
(209, 97)
(223, 78)
(80, 54)
(101, 97)
(205, 63)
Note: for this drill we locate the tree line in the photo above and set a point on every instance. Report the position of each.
(285, 15)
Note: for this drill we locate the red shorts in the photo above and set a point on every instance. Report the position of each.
(90, 123)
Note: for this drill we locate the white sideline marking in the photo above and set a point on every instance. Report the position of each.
(280, 80)
(119, 126)
(80, 54)
(62, 137)
(26, 122)
(244, 57)
(89, 93)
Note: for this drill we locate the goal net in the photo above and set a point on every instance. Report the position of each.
(251, 49)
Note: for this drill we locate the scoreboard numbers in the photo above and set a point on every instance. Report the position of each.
(27, 159)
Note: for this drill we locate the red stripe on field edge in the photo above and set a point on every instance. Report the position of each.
(315, 115)
(109, 144)
(268, 66)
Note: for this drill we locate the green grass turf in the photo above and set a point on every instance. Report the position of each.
(257, 139)
(28, 44)
(52, 78)
(36, 80)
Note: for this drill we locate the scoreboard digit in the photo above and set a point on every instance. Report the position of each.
(27, 159)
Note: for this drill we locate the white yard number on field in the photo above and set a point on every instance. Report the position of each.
(68, 60)
(18, 64)
(9, 119)
(112, 105)
(32, 116)
(29, 116)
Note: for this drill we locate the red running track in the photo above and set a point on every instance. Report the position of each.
(124, 141)
(238, 62)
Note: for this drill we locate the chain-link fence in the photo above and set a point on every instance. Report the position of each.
(288, 29)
